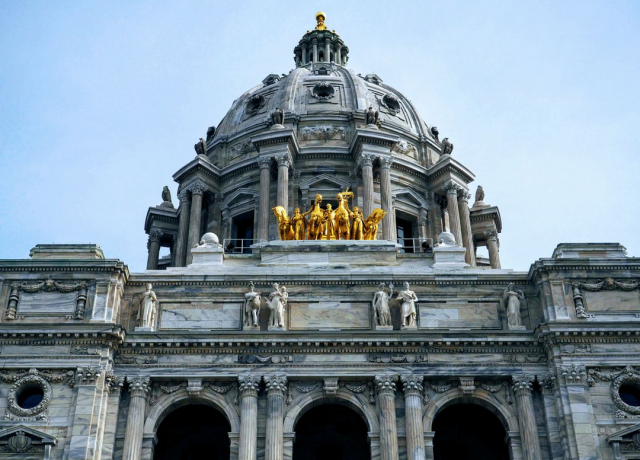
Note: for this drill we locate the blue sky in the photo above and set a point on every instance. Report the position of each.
(101, 102)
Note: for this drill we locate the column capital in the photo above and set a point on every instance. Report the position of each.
(386, 384)
(451, 188)
(88, 376)
(198, 187)
(183, 195)
(366, 159)
(276, 384)
(491, 235)
(463, 196)
(138, 385)
(314, 40)
(339, 45)
(264, 162)
(113, 383)
(412, 384)
(522, 384)
(248, 385)
(154, 235)
(284, 160)
(548, 383)
(576, 374)
(386, 162)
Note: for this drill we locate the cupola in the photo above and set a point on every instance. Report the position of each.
(321, 45)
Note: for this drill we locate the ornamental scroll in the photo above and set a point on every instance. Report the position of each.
(48, 297)
(329, 224)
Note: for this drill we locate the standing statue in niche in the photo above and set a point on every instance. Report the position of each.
(277, 117)
(166, 195)
(381, 310)
(277, 304)
(200, 147)
(371, 116)
(447, 147)
(408, 301)
(251, 308)
(511, 298)
(147, 310)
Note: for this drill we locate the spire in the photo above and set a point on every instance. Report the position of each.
(321, 45)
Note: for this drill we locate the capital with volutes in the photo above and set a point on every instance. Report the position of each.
(386, 162)
(464, 196)
(183, 195)
(138, 385)
(386, 384)
(154, 235)
(275, 384)
(264, 162)
(284, 160)
(412, 384)
(366, 159)
(451, 188)
(198, 188)
(522, 384)
(491, 235)
(248, 385)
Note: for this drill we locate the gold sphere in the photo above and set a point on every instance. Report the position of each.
(320, 13)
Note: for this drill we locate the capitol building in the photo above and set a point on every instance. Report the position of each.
(322, 297)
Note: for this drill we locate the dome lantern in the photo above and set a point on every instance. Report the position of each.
(321, 45)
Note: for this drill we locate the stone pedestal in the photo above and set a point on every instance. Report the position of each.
(276, 328)
(447, 255)
(327, 252)
(409, 328)
(384, 328)
(207, 256)
(143, 329)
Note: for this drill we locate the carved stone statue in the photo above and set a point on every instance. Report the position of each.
(211, 132)
(277, 303)
(381, 311)
(166, 195)
(251, 308)
(371, 117)
(408, 301)
(277, 117)
(511, 298)
(479, 193)
(147, 311)
(447, 147)
(200, 147)
(435, 132)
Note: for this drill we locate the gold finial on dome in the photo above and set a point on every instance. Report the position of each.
(320, 17)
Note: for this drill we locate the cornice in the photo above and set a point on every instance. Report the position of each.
(66, 265)
(452, 166)
(197, 165)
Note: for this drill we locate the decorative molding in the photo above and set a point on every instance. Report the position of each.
(619, 377)
(88, 376)
(360, 387)
(575, 374)
(330, 386)
(272, 359)
(607, 284)
(393, 358)
(323, 133)
(467, 386)
(40, 411)
(48, 285)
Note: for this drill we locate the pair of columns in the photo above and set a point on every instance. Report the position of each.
(190, 221)
(366, 164)
(282, 195)
(460, 219)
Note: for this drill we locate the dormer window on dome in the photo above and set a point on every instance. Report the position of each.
(321, 45)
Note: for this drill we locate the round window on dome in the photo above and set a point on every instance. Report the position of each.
(630, 394)
(255, 103)
(391, 102)
(30, 396)
(323, 91)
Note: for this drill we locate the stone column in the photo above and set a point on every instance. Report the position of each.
(452, 208)
(366, 163)
(284, 161)
(338, 59)
(412, 385)
(493, 246)
(304, 53)
(197, 190)
(154, 248)
(265, 184)
(554, 439)
(465, 228)
(276, 386)
(248, 390)
(526, 417)
(111, 422)
(314, 41)
(327, 50)
(386, 386)
(138, 389)
(183, 228)
(388, 230)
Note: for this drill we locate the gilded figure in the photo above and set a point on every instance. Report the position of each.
(299, 223)
(343, 214)
(330, 223)
(357, 231)
(315, 219)
(284, 223)
(371, 223)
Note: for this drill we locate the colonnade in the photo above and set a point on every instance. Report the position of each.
(313, 48)
(276, 387)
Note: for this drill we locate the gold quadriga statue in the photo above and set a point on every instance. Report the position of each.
(329, 224)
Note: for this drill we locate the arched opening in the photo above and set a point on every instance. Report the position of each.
(193, 432)
(331, 431)
(469, 432)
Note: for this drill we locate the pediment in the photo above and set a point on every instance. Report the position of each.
(625, 434)
(625, 442)
(20, 437)
(411, 196)
(324, 181)
(239, 195)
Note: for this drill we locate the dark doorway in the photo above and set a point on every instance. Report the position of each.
(193, 432)
(468, 432)
(404, 228)
(331, 432)
(242, 233)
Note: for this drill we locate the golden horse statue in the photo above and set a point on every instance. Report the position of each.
(371, 223)
(316, 219)
(342, 215)
(284, 223)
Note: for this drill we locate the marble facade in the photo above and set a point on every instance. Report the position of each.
(89, 372)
